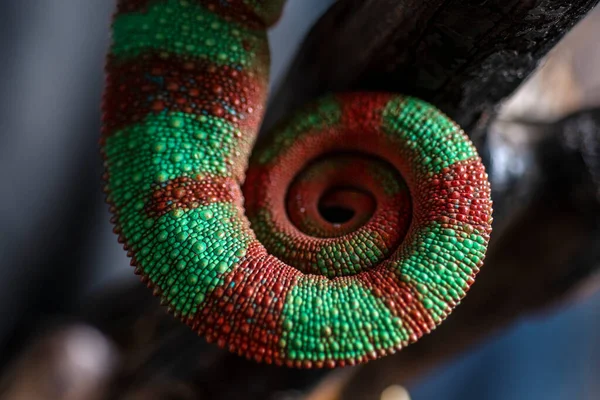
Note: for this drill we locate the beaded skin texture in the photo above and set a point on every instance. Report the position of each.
(349, 234)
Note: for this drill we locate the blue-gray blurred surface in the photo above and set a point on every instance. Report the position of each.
(550, 357)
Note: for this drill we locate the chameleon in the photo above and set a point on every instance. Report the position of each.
(346, 235)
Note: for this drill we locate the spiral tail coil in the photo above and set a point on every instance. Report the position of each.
(352, 232)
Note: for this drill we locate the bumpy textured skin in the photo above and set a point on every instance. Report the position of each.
(247, 259)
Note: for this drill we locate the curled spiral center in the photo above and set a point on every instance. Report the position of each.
(338, 215)
(340, 205)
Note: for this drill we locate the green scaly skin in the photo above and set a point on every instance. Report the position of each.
(239, 247)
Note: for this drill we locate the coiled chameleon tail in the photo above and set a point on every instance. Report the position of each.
(356, 229)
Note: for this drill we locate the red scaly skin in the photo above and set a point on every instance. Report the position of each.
(351, 232)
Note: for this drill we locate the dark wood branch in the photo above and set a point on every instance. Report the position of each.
(340, 46)
(464, 56)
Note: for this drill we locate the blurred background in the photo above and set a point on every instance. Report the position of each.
(58, 254)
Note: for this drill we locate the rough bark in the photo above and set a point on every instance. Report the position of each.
(463, 56)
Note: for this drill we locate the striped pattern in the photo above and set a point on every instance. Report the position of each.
(240, 248)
